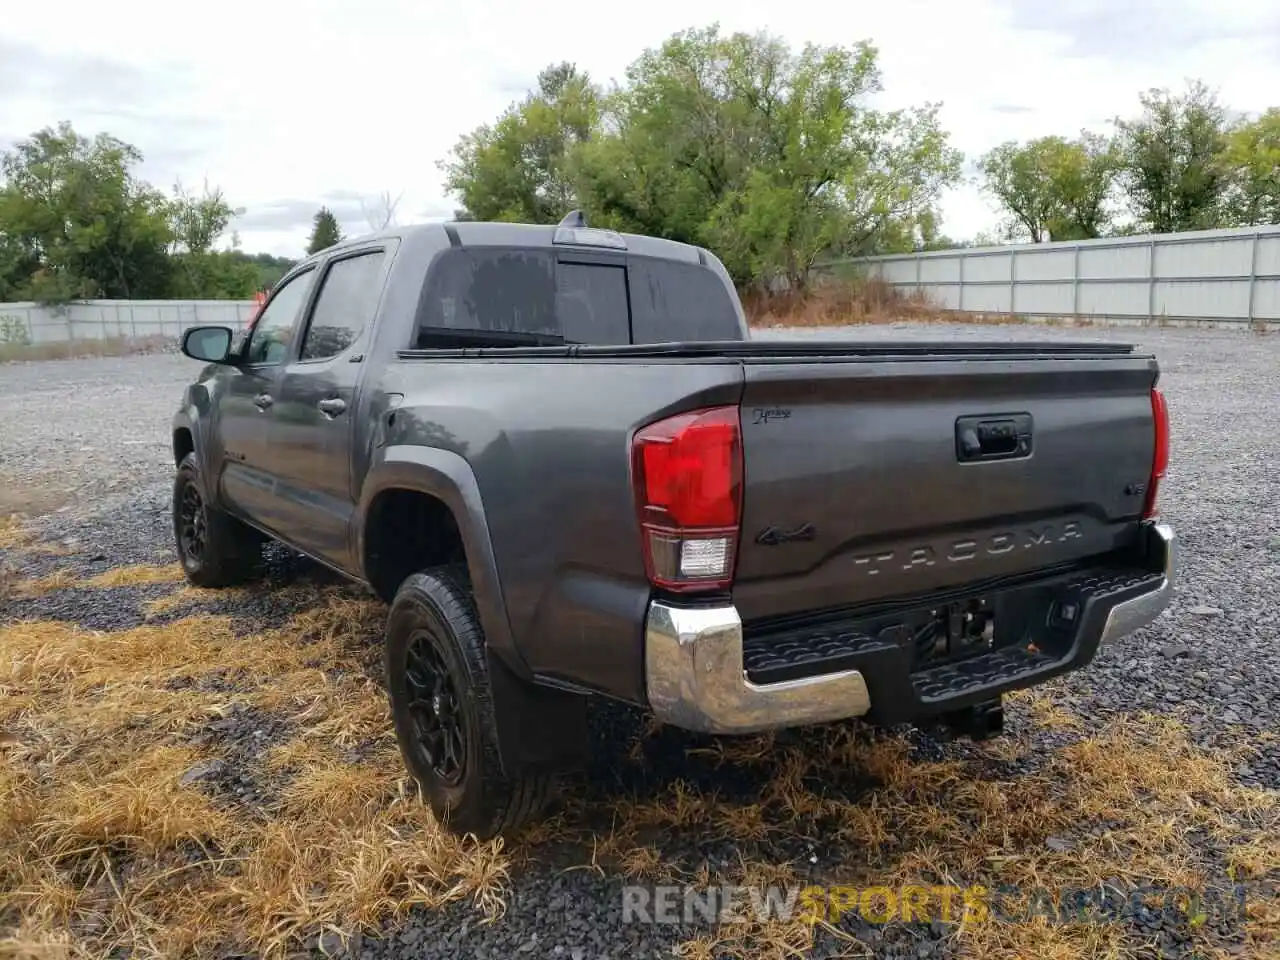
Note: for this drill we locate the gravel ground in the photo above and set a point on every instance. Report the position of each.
(88, 434)
(89, 440)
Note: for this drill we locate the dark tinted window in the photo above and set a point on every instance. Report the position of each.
(510, 291)
(348, 298)
(273, 330)
(671, 300)
(591, 303)
(527, 291)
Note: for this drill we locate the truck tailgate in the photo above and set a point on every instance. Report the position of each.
(873, 478)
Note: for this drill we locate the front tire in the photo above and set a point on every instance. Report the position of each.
(442, 707)
(214, 548)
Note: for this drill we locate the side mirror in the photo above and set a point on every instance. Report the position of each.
(210, 344)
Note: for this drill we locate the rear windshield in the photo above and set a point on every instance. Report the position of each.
(508, 290)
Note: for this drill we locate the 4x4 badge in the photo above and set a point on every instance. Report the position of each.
(771, 536)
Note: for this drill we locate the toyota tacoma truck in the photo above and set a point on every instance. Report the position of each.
(560, 458)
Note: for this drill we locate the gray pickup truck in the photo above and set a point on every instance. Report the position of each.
(560, 458)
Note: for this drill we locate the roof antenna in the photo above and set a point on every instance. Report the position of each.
(573, 219)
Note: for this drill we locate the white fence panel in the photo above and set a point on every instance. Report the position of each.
(1228, 276)
(111, 319)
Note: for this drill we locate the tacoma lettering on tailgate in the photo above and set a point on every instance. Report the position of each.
(958, 551)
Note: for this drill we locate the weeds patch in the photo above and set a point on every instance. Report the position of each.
(136, 576)
(73, 349)
(111, 824)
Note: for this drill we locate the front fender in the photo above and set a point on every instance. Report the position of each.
(188, 417)
(446, 476)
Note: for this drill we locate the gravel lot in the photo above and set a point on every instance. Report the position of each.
(85, 444)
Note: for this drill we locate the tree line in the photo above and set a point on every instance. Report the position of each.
(776, 158)
(76, 222)
(1185, 162)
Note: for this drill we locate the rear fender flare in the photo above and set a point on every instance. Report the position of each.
(446, 476)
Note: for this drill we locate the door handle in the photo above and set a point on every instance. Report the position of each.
(263, 400)
(332, 407)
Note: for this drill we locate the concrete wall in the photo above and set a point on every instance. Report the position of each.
(1229, 276)
(105, 319)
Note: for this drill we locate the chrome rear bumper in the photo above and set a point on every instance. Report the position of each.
(696, 680)
(1126, 617)
(695, 675)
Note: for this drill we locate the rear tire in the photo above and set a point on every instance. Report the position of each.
(214, 548)
(442, 706)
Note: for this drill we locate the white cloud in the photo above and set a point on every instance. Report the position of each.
(286, 103)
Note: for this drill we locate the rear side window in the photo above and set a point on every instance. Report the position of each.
(345, 306)
(671, 300)
(511, 290)
(506, 291)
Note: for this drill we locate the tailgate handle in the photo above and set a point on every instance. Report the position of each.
(993, 437)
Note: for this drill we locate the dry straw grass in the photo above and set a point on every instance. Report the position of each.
(188, 596)
(73, 349)
(14, 533)
(837, 300)
(108, 840)
(136, 576)
(839, 303)
(1131, 802)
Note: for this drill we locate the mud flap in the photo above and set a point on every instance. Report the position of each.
(538, 728)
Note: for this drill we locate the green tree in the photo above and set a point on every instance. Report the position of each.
(1053, 188)
(1086, 178)
(268, 268)
(197, 270)
(519, 168)
(1252, 161)
(679, 143)
(324, 231)
(771, 158)
(77, 222)
(1173, 170)
(198, 220)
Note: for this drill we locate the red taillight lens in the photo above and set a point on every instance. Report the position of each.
(687, 472)
(1160, 456)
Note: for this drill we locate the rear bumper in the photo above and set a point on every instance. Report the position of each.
(696, 674)
(1128, 615)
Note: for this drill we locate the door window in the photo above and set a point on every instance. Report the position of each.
(345, 306)
(273, 331)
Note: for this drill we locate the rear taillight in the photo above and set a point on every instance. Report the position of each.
(687, 473)
(1160, 456)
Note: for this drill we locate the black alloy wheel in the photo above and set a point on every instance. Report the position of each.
(436, 710)
(192, 522)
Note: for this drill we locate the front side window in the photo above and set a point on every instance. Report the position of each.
(345, 305)
(273, 331)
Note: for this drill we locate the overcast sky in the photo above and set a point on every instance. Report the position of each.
(288, 105)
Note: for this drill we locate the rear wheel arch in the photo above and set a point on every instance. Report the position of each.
(536, 725)
(442, 491)
(406, 530)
